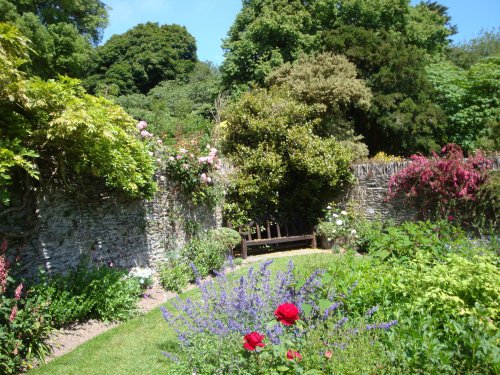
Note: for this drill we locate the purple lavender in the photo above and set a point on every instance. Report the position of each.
(371, 311)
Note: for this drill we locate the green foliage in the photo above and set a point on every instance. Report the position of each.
(402, 242)
(268, 33)
(174, 275)
(57, 125)
(203, 254)
(471, 101)
(441, 289)
(178, 110)
(401, 119)
(330, 83)
(466, 54)
(24, 322)
(62, 33)
(209, 251)
(139, 59)
(88, 292)
(389, 41)
(271, 138)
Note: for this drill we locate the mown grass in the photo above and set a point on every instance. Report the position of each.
(135, 346)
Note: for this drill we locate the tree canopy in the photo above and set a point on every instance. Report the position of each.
(53, 127)
(141, 58)
(389, 41)
(62, 33)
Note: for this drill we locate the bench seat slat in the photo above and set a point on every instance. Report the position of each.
(279, 240)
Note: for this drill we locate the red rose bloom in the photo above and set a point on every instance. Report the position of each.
(292, 354)
(253, 340)
(287, 313)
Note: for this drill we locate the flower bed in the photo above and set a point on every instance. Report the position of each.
(263, 325)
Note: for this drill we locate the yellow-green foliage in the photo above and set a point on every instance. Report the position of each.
(386, 158)
(270, 137)
(55, 123)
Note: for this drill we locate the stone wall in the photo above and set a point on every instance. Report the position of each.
(371, 189)
(110, 230)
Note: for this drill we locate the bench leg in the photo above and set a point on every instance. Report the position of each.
(314, 245)
(244, 249)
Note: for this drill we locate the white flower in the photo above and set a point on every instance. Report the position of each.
(343, 213)
(335, 215)
(339, 222)
(353, 231)
(328, 207)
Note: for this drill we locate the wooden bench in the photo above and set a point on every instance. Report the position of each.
(274, 233)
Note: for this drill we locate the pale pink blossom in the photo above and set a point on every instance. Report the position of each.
(203, 176)
(18, 292)
(209, 179)
(145, 133)
(13, 314)
(158, 161)
(142, 125)
(171, 158)
(179, 157)
(159, 141)
(183, 151)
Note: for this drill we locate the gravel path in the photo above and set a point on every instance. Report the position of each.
(66, 339)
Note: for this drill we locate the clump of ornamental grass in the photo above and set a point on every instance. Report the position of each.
(260, 324)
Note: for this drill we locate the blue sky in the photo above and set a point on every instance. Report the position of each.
(209, 20)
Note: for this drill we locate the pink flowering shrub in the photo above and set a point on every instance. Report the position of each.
(23, 325)
(441, 184)
(195, 170)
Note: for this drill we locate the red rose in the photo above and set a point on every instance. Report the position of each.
(287, 313)
(328, 354)
(252, 340)
(292, 354)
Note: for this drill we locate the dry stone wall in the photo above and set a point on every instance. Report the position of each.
(121, 232)
(370, 190)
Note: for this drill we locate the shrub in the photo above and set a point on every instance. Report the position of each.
(402, 242)
(144, 276)
(441, 184)
(234, 330)
(24, 324)
(88, 292)
(339, 226)
(446, 306)
(194, 172)
(175, 275)
(208, 251)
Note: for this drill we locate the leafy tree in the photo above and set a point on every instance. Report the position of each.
(270, 137)
(267, 33)
(55, 127)
(402, 119)
(61, 32)
(141, 58)
(177, 110)
(388, 40)
(471, 100)
(330, 83)
(466, 54)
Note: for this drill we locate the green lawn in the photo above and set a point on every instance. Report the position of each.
(135, 347)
